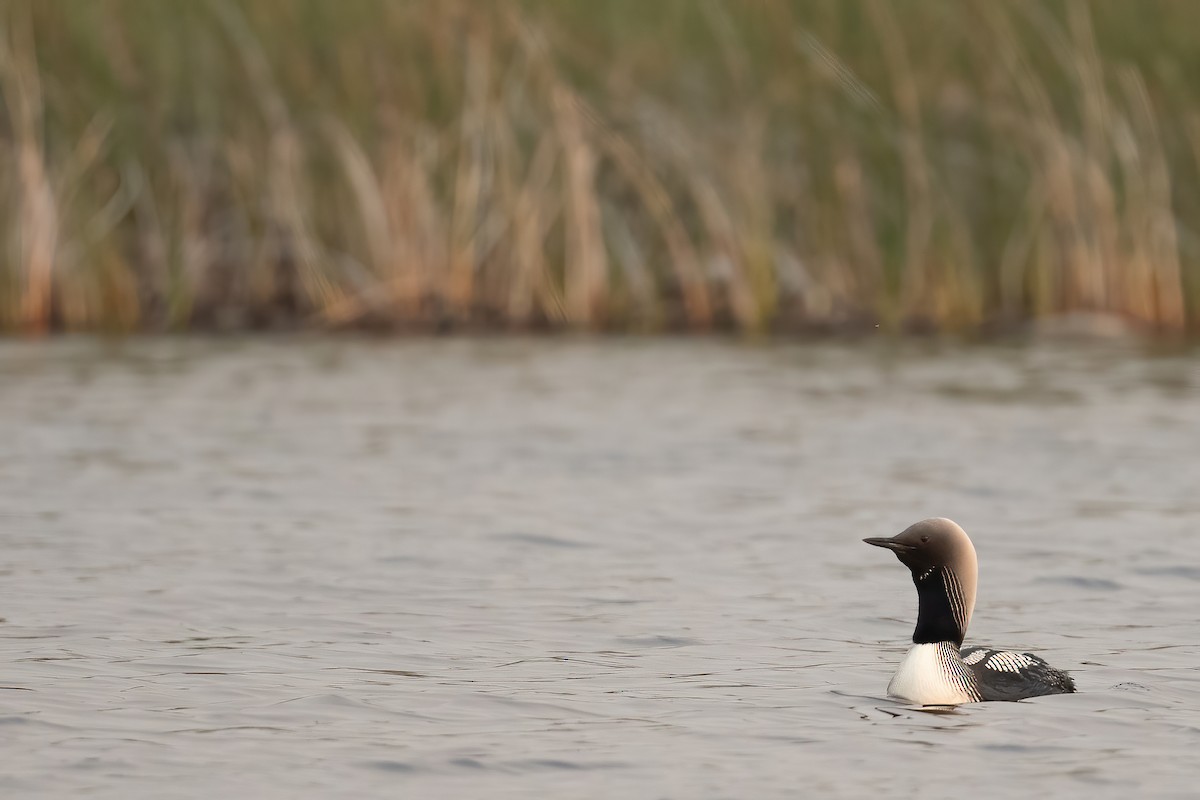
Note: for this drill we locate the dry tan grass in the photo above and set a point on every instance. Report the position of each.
(764, 167)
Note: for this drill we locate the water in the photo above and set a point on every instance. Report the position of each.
(573, 569)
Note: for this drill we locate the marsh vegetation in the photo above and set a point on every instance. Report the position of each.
(677, 165)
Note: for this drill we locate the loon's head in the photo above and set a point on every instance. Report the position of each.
(945, 572)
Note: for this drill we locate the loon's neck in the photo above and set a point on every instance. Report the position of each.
(942, 609)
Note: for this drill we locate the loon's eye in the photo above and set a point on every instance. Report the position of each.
(924, 539)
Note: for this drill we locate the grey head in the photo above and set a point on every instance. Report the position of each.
(945, 572)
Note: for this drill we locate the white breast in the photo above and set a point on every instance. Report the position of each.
(926, 677)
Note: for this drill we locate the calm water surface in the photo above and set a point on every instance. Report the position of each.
(571, 569)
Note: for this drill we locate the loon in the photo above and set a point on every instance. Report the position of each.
(936, 671)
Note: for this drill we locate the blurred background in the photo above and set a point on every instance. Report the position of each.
(526, 164)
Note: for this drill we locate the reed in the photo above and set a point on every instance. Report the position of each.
(763, 166)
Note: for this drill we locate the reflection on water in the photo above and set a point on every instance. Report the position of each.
(576, 569)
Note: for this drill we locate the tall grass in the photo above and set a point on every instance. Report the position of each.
(683, 164)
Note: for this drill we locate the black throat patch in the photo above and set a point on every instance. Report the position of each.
(936, 621)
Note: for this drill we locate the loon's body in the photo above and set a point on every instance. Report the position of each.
(938, 670)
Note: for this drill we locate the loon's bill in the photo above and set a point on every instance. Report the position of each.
(938, 670)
